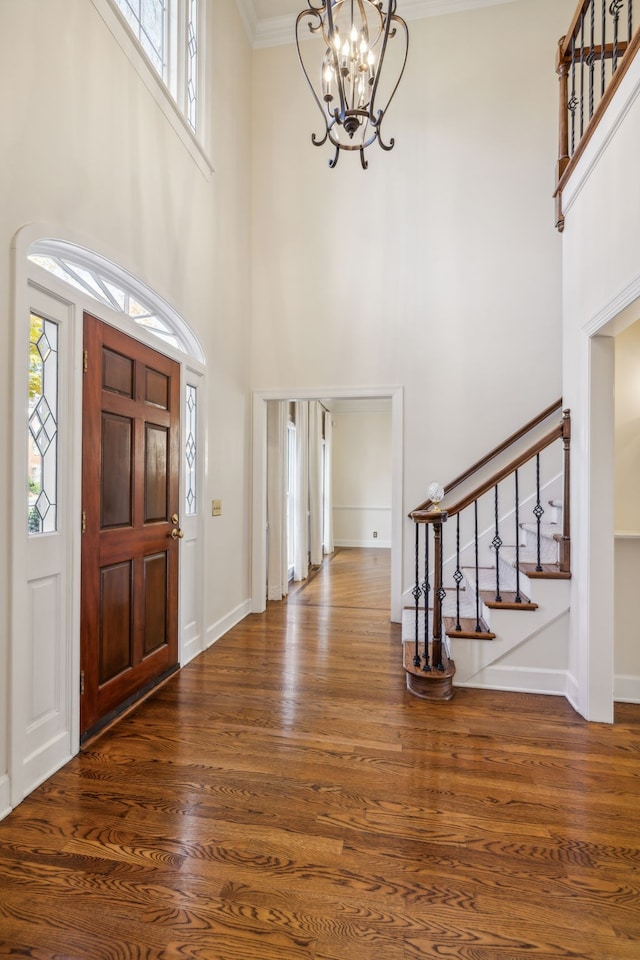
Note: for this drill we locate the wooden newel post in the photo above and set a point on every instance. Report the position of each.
(432, 680)
(562, 69)
(436, 646)
(565, 543)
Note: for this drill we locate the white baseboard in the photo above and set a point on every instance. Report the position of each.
(572, 692)
(5, 796)
(46, 761)
(364, 543)
(190, 650)
(277, 593)
(222, 626)
(626, 689)
(520, 680)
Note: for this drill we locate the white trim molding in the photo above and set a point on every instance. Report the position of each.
(275, 31)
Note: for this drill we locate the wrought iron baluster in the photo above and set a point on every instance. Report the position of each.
(496, 543)
(458, 573)
(582, 75)
(416, 596)
(426, 587)
(518, 598)
(573, 100)
(603, 42)
(478, 627)
(592, 60)
(538, 510)
(438, 596)
(630, 20)
(614, 9)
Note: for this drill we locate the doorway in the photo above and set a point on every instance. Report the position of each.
(130, 521)
(259, 537)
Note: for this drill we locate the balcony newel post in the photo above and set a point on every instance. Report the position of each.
(562, 69)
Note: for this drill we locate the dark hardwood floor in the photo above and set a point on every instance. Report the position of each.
(284, 798)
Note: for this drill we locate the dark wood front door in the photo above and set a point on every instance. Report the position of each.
(130, 484)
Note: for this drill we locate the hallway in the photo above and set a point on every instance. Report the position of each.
(284, 798)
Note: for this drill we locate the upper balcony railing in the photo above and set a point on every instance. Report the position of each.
(592, 58)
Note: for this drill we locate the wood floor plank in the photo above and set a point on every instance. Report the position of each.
(285, 798)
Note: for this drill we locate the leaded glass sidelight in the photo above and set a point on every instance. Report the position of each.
(43, 426)
(190, 451)
(192, 63)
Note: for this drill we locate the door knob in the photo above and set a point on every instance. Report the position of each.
(177, 534)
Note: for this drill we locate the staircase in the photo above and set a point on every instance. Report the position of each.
(495, 571)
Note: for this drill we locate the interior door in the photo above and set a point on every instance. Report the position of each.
(131, 531)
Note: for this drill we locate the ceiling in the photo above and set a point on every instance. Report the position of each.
(272, 22)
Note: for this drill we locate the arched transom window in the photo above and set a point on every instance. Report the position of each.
(107, 283)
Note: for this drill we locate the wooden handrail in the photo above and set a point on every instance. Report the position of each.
(518, 435)
(561, 431)
(572, 55)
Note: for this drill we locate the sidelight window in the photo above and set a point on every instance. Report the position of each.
(43, 426)
(190, 452)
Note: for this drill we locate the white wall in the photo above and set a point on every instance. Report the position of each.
(438, 268)
(627, 514)
(627, 430)
(362, 474)
(86, 147)
(601, 252)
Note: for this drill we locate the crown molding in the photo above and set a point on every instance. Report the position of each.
(276, 31)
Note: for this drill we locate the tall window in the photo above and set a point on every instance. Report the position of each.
(43, 426)
(168, 32)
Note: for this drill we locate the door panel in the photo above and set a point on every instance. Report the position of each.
(115, 620)
(130, 483)
(156, 479)
(117, 452)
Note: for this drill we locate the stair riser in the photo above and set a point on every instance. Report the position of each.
(548, 547)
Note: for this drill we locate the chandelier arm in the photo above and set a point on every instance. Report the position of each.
(391, 16)
(404, 63)
(334, 161)
(311, 13)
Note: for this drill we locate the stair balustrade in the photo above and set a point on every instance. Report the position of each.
(592, 58)
(482, 570)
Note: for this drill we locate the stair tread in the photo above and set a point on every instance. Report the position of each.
(431, 675)
(550, 571)
(467, 629)
(508, 601)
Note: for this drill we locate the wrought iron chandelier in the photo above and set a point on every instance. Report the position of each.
(355, 37)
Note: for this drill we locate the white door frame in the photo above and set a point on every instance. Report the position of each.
(31, 758)
(259, 504)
